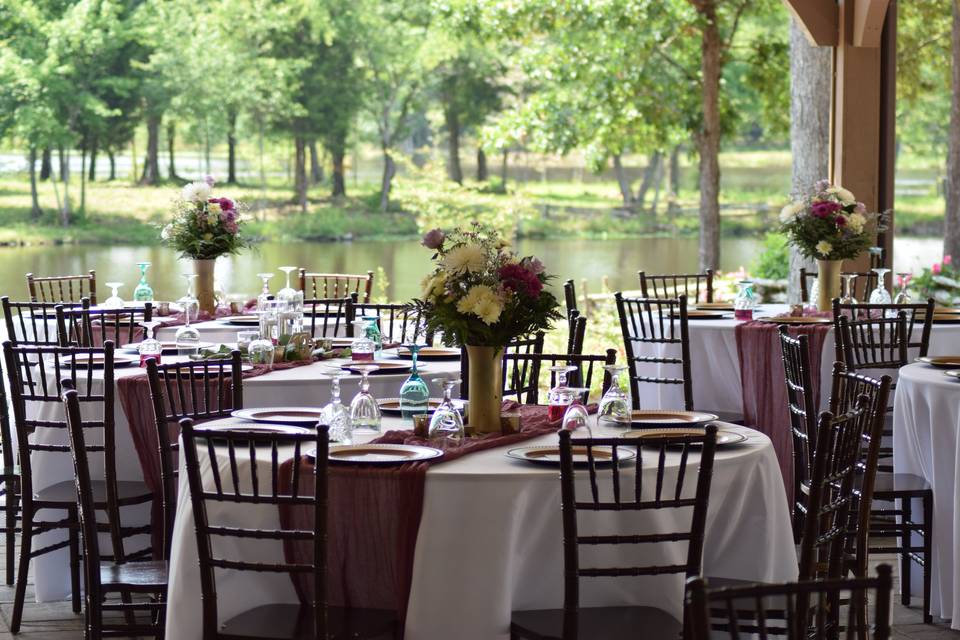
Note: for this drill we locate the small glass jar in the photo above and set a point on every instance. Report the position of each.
(362, 349)
(745, 302)
(244, 338)
(373, 332)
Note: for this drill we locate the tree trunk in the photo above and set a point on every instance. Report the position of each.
(35, 210)
(92, 173)
(171, 145)
(151, 163)
(951, 236)
(482, 172)
(454, 172)
(674, 207)
(389, 170)
(83, 180)
(626, 191)
(262, 204)
(300, 172)
(65, 210)
(811, 71)
(658, 184)
(206, 147)
(232, 147)
(113, 164)
(649, 176)
(64, 162)
(339, 177)
(316, 167)
(709, 138)
(46, 164)
(503, 170)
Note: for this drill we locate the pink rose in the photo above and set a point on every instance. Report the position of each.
(433, 239)
(947, 259)
(936, 268)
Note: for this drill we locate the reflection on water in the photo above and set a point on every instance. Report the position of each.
(404, 262)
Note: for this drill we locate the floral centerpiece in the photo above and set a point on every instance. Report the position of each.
(829, 226)
(482, 296)
(204, 227)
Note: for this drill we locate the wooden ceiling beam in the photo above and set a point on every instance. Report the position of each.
(819, 19)
(868, 20)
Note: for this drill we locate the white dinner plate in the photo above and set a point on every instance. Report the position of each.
(953, 373)
(281, 415)
(550, 455)
(431, 353)
(666, 418)
(169, 346)
(243, 321)
(257, 427)
(725, 437)
(381, 453)
(96, 360)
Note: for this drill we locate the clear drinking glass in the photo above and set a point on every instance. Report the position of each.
(149, 347)
(364, 411)
(143, 292)
(114, 301)
(362, 348)
(335, 415)
(189, 302)
(576, 416)
(264, 296)
(848, 289)
(187, 336)
(880, 295)
(560, 396)
(288, 294)
(414, 393)
(446, 425)
(615, 409)
(903, 296)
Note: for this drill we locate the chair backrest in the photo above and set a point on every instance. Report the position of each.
(336, 285)
(825, 539)
(795, 610)
(527, 345)
(674, 285)
(649, 326)
(570, 296)
(63, 288)
(522, 372)
(648, 493)
(240, 469)
(36, 374)
(863, 283)
(86, 327)
(803, 418)
(399, 323)
(875, 340)
(326, 316)
(200, 390)
(32, 322)
(576, 331)
(6, 437)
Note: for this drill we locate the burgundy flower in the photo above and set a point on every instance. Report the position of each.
(520, 279)
(231, 226)
(840, 221)
(226, 204)
(824, 209)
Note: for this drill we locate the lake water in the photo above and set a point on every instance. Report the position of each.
(404, 262)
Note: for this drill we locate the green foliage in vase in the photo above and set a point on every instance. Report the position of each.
(829, 225)
(204, 227)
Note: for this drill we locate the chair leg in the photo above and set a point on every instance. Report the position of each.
(75, 561)
(13, 504)
(26, 543)
(906, 510)
(927, 553)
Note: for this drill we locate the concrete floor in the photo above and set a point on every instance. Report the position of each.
(56, 621)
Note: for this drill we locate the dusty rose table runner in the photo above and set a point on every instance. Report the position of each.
(764, 392)
(375, 518)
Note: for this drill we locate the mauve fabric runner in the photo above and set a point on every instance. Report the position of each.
(134, 394)
(763, 381)
(375, 517)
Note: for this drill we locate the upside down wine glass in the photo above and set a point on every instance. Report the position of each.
(114, 301)
(187, 336)
(288, 294)
(615, 406)
(880, 295)
(446, 424)
(364, 411)
(576, 416)
(149, 347)
(335, 415)
(903, 296)
(560, 396)
(414, 393)
(265, 295)
(143, 291)
(848, 291)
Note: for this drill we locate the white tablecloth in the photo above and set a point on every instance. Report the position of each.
(926, 442)
(490, 542)
(300, 386)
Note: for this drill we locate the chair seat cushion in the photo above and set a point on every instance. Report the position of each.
(598, 623)
(66, 492)
(293, 622)
(140, 576)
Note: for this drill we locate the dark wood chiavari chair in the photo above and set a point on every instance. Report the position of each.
(200, 390)
(101, 579)
(325, 317)
(522, 372)
(33, 322)
(247, 484)
(399, 323)
(648, 494)
(863, 283)
(803, 419)
(9, 484)
(34, 373)
(570, 296)
(577, 332)
(881, 521)
(796, 610)
(689, 285)
(86, 327)
(336, 285)
(63, 288)
(529, 345)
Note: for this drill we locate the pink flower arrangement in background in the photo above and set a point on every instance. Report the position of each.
(204, 226)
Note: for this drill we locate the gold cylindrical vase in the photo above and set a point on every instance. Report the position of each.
(828, 283)
(204, 285)
(485, 388)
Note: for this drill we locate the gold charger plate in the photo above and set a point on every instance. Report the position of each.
(946, 310)
(380, 453)
(714, 306)
(724, 436)
(385, 367)
(796, 320)
(694, 314)
(258, 427)
(281, 415)
(96, 360)
(431, 353)
(942, 362)
(666, 418)
(391, 406)
(550, 455)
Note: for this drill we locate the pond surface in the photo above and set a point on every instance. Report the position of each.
(403, 261)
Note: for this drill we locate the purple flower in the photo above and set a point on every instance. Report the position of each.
(433, 239)
(821, 185)
(209, 180)
(231, 226)
(860, 208)
(534, 265)
(824, 209)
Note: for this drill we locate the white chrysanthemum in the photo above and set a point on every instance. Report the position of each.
(197, 192)
(846, 196)
(166, 232)
(483, 302)
(488, 310)
(824, 248)
(856, 222)
(791, 211)
(434, 284)
(465, 258)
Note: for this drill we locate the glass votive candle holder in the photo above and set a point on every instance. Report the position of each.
(244, 338)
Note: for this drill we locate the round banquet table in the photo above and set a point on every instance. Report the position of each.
(308, 385)
(490, 542)
(926, 442)
(715, 365)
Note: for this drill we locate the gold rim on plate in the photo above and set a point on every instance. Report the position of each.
(381, 453)
(243, 320)
(953, 373)
(431, 353)
(383, 367)
(550, 454)
(795, 320)
(98, 360)
(724, 436)
(944, 362)
(693, 314)
(658, 417)
(392, 405)
(280, 415)
(714, 306)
